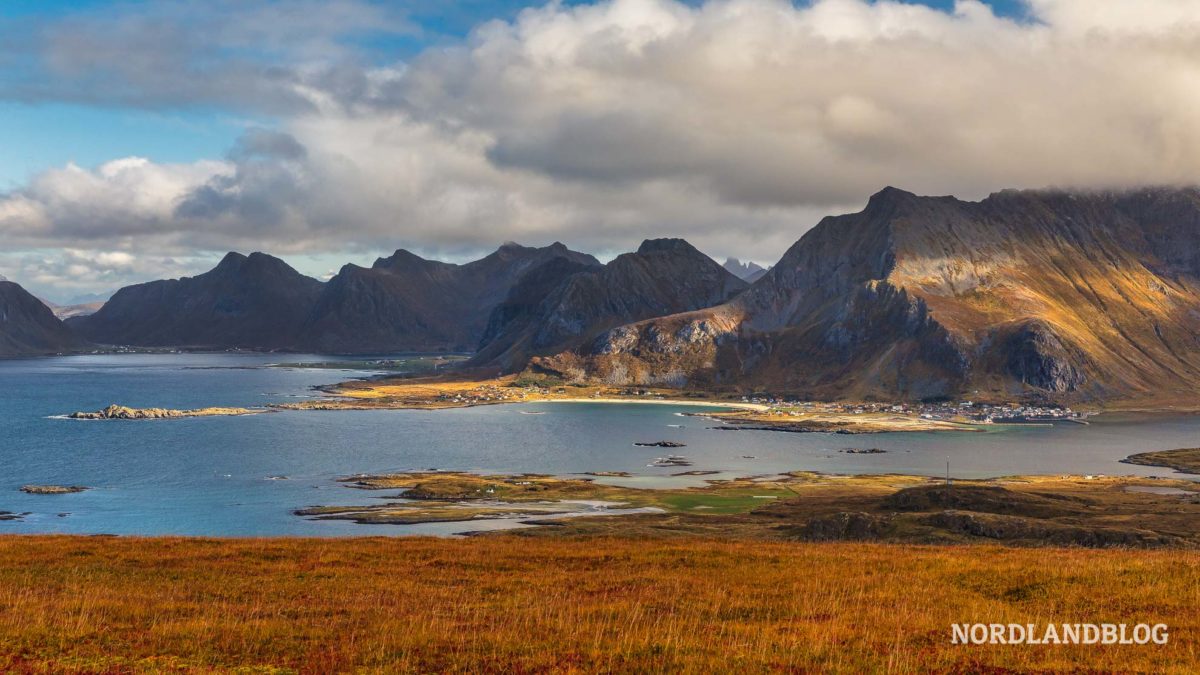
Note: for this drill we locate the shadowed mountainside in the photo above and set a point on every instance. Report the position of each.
(1072, 296)
(402, 303)
(250, 302)
(560, 306)
(29, 328)
(407, 303)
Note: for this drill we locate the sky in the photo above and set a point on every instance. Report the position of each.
(143, 140)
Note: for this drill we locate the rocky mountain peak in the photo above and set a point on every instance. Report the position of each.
(401, 258)
(256, 301)
(257, 263)
(231, 261)
(746, 271)
(667, 245)
(889, 198)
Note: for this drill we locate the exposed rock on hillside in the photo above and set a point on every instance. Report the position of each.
(560, 308)
(1038, 293)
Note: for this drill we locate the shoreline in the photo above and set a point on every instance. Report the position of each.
(703, 403)
(1083, 510)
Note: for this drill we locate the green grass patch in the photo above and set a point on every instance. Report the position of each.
(723, 503)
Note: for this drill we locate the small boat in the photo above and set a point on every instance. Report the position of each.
(531, 412)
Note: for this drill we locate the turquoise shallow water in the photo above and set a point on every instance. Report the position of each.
(211, 476)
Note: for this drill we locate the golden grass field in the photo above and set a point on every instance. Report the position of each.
(512, 604)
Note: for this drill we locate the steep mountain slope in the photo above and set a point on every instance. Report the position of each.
(748, 271)
(252, 302)
(560, 308)
(407, 303)
(28, 327)
(1080, 296)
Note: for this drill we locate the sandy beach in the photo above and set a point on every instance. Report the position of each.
(758, 407)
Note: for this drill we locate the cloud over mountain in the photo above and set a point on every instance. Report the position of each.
(735, 123)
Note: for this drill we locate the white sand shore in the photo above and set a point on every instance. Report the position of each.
(660, 401)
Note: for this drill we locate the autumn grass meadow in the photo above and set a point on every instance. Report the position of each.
(514, 604)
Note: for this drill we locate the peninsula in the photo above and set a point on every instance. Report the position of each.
(737, 412)
(1183, 460)
(1092, 511)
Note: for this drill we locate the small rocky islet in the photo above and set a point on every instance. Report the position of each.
(120, 412)
(53, 489)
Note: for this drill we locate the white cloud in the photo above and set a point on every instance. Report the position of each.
(62, 275)
(120, 199)
(736, 124)
(1144, 17)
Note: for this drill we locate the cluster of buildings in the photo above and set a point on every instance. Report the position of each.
(483, 394)
(490, 393)
(985, 413)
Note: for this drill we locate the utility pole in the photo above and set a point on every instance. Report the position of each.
(947, 469)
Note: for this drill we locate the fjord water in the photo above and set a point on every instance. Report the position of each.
(222, 476)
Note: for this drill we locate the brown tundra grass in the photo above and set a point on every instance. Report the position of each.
(510, 604)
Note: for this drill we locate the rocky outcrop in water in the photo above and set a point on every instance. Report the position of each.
(120, 412)
(52, 489)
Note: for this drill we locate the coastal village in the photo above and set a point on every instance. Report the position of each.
(968, 411)
(757, 407)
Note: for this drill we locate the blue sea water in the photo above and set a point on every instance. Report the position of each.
(213, 476)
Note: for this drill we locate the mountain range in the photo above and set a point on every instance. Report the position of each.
(407, 303)
(561, 306)
(1072, 296)
(247, 302)
(1045, 294)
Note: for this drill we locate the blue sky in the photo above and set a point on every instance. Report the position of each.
(37, 136)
